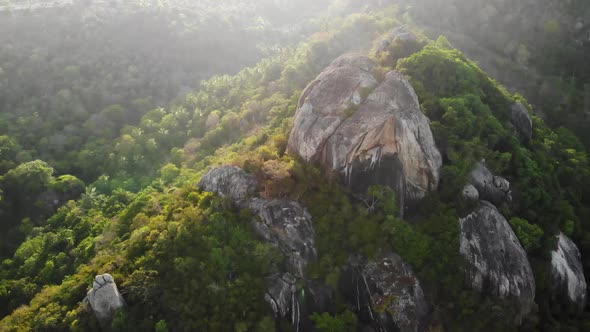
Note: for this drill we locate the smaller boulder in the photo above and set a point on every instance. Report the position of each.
(567, 272)
(229, 181)
(470, 193)
(522, 121)
(385, 293)
(280, 294)
(104, 299)
(494, 189)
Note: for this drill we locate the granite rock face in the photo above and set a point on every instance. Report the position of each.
(370, 133)
(287, 225)
(522, 121)
(470, 193)
(229, 181)
(104, 299)
(497, 265)
(494, 189)
(385, 293)
(567, 272)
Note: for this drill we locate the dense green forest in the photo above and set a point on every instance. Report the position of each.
(110, 115)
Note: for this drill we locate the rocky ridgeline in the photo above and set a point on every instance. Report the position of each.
(370, 132)
(389, 296)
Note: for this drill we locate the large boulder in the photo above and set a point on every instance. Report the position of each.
(327, 102)
(497, 265)
(385, 293)
(370, 133)
(104, 299)
(522, 121)
(229, 181)
(567, 272)
(491, 188)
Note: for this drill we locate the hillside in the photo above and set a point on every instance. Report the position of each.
(345, 170)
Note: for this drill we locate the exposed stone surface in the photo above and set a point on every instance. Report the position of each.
(385, 293)
(567, 273)
(494, 189)
(470, 193)
(280, 294)
(229, 181)
(370, 133)
(325, 103)
(522, 121)
(497, 263)
(354, 60)
(104, 299)
(287, 225)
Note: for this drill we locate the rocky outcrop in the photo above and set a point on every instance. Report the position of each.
(281, 295)
(522, 122)
(494, 189)
(497, 264)
(287, 226)
(229, 181)
(370, 133)
(104, 299)
(385, 293)
(567, 273)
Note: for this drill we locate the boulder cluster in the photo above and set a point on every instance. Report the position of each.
(388, 295)
(497, 264)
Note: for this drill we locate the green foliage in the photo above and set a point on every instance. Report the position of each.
(528, 234)
(161, 326)
(344, 322)
(189, 260)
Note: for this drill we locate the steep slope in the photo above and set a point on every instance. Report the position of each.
(187, 259)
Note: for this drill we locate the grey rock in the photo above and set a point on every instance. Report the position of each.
(385, 293)
(104, 299)
(497, 264)
(494, 189)
(567, 272)
(522, 121)
(229, 181)
(287, 225)
(354, 60)
(280, 294)
(371, 134)
(470, 193)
